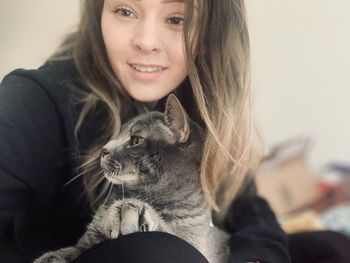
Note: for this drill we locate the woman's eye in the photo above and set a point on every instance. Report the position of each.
(176, 20)
(135, 140)
(124, 11)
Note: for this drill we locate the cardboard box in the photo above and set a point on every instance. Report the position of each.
(286, 181)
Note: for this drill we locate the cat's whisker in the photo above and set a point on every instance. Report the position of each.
(106, 188)
(98, 182)
(75, 178)
(115, 166)
(87, 169)
(109, 192)
(122, 188)
(103, 191)
(93, 186)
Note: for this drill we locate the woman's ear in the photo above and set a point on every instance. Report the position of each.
(176, 118)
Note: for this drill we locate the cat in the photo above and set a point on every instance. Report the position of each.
(153, 165)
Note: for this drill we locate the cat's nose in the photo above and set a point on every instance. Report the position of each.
(104, 152)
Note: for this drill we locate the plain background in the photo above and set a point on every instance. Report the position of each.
(300, 62)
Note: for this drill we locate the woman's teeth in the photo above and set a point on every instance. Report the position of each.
(146, 69)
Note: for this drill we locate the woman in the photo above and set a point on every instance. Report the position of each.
(125, 57)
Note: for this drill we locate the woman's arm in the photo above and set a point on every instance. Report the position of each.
(255, 233)
(31, 159)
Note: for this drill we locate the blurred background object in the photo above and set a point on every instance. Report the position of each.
(285, 177)
(305, 200)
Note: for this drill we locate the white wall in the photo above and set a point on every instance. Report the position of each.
(300, 55)
(301, 72)
(31, 30)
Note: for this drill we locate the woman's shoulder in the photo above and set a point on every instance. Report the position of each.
(49, 76)
(45, 94)
(55, 82)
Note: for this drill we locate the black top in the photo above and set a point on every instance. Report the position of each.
(39, 154)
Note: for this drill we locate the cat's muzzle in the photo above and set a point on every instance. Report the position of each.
(110, 164)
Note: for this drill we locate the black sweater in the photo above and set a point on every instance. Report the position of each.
(39, 154)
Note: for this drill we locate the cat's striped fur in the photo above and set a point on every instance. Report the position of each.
(153, 166)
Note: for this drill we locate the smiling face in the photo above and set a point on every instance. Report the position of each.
(144, 42)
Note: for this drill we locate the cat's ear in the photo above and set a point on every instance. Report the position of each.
(176, 117)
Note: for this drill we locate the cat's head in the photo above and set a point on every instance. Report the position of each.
(153, 147)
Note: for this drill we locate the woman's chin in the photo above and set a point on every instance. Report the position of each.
(149, 98)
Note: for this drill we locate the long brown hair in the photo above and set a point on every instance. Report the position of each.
(219, 74)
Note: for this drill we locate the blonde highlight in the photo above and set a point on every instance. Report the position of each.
(220, 79)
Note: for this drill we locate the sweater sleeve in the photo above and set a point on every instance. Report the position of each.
(255, 235)
(31, 142)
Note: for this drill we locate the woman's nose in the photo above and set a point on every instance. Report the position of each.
(147, 38)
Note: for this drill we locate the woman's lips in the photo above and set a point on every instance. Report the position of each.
(146, 72)
(147, 68)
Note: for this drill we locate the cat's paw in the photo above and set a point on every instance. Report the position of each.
(128, 216)
(63, 255)
(137, 216)
(50, 258)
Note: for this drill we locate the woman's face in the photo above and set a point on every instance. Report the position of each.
(144, 41)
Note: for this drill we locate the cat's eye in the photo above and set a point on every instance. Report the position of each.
(135, 140)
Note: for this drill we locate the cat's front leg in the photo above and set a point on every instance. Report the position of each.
(63, 255)
(122, 217)
(131, 215)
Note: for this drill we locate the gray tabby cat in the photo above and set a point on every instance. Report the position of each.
(153, 165)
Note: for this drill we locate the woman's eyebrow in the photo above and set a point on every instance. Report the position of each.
(172, 1)
(166, 1)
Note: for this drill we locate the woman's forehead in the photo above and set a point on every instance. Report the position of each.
(161, 1)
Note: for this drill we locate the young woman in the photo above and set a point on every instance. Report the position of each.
(125, 57)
